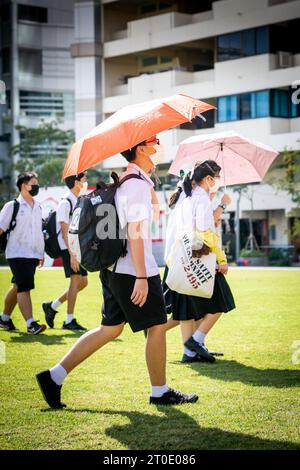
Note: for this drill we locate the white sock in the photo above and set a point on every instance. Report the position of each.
(55, 304)
(58, 374)
(199, 337)
(28, 322)
(5, 317)
(158, 391)
(70, 317)
(188, 352)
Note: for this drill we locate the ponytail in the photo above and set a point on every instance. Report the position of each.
(174, 198)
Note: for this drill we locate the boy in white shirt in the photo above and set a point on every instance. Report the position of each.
(132, 291)
(78, 275)
(24, 251)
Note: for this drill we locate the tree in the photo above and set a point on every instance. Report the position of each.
(289, 181)
(43, 149)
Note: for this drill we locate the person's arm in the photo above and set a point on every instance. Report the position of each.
(155, 205)
(5, 217)
(64, 231)
(140, 291)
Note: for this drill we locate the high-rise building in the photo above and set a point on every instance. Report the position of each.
(36, 68)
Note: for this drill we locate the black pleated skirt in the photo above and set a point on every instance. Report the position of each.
(189, 307)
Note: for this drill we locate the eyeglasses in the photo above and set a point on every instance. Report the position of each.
(152, 141)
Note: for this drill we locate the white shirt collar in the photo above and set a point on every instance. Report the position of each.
(133, 168)
(21, 200)
(199, 190)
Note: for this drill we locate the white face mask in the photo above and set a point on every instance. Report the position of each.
(159, 154)
(84, 189)
(216, 186)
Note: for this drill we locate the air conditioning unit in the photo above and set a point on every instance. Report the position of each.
(285, 59)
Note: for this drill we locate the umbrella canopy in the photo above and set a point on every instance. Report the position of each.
(128, 127)
(242, 160)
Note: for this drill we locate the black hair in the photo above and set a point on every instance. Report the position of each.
(201, 170)
(24, 177)
(130, 153)
(70, 180)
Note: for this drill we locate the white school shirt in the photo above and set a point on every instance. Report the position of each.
(63, 215)
(26, 240)
(190, 213)
(133, 204)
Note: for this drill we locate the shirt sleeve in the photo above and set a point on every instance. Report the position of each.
(203, 216)
(63, 212)
(6, 216)
(136, 201)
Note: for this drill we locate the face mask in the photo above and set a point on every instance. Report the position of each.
(215, 187)
(158, 156)
(34, 190)
(84, 189)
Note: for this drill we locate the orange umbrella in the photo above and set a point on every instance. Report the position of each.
(128, 127)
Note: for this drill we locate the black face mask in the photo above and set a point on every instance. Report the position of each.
(34, 190)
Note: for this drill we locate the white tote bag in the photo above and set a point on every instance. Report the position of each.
(188, 275)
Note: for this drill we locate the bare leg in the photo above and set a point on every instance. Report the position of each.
(171, 324)
(208, 322)
(75, 282)
(81, 285)
(187, 329)
(89, 343)
(156, 355)
(25, 305)
(11, 300)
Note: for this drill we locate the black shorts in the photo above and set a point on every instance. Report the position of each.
(67, 265)
(23, 270)
(117, 306)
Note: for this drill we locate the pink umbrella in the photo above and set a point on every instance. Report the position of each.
(242, 160)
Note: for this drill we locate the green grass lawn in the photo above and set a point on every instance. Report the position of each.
(248, 400)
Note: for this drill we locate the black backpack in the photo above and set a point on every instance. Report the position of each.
(92, 252)
(52, 247)
(4, 235)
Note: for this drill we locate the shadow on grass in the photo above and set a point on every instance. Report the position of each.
(233, 371)
(45, 339)
(177, 430)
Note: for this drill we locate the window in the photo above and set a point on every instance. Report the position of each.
(281, 103)
(47, 104)
(30, 61)
(149, 61)
(5, 55)
(257, 104)
(31, 13)
(228, 108)
(243, 44)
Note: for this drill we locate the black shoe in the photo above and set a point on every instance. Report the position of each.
(73, 325)
(188, 359)
(215, 353)
(7, 325)
(49, 313)
(173, 397)
(50, 390)
(35, 328)
(199, 349)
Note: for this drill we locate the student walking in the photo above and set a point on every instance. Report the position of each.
(198, 315)
(77, 274)
(132, 291)
(24, 251)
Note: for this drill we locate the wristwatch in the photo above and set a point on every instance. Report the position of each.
(223, 206)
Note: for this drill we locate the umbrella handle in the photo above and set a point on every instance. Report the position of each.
(223, 166)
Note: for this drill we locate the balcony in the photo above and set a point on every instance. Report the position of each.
(175, 28)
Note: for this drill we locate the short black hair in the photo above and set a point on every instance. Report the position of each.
(130, 153)
(24, 177)
(70, 180)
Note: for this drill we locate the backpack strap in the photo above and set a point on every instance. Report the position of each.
(14, 216)
(71, 207)
(126, 178)
(129, 177)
